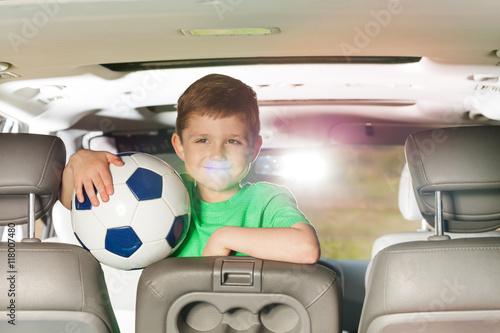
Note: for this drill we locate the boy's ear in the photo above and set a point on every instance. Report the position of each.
(177, 144)
(256, 148)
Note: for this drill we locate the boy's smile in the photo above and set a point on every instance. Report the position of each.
(217, 154)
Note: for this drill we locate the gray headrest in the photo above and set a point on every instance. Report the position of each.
(463, 163)
(29, 163)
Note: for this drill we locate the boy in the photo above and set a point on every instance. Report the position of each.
(217, 137)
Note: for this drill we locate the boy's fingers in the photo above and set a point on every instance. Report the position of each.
(108, 184)
(106, 177)
(89, 189)
(109, 189)
(79, 191)
(79, 194)
(115, 160)
(101, 189)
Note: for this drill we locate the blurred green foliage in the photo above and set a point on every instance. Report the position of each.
(358, 203)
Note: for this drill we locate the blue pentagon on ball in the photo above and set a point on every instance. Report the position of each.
(145, 184)
(122, 241)
(179, 228)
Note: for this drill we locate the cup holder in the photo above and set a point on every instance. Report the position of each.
(200, 317)
(279, 318)
(266, 317)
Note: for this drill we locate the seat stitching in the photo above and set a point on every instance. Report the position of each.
(443, 249)
(419, 157)
(14, 186)
(456, 216)
(155, 292)
(47, 250)
(386, 283)
(47, 194)
(46, 164)
(471, 182)
(81, 280)
(315, 299)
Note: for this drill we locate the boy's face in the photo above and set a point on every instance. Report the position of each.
(217, 154)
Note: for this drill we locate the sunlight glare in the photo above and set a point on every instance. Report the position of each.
(304, 167)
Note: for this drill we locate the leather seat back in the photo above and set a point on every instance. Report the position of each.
(52, 287)
(237, 294)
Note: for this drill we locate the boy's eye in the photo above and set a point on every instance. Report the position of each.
(201, 141)
(233, 141)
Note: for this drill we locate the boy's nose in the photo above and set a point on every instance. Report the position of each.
(217, 152)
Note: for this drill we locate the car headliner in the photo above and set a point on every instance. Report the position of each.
(56, 50)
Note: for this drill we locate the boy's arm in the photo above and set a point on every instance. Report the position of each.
(87, 169)
(297, 243)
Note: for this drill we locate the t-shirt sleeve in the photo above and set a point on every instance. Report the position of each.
(281, 209)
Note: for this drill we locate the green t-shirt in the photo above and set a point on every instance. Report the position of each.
(260, 205)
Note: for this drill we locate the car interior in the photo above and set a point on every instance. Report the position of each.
(382, 118)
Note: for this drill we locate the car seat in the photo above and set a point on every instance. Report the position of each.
(50, 287)
(237, 294)
(409, 210)
(442, 284)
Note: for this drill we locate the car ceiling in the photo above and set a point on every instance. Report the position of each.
(332, 68)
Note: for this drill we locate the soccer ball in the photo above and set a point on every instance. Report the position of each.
(145, 219)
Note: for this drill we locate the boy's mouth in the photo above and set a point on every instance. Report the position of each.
(217, 166)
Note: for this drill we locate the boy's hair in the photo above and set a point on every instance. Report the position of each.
(218, 96)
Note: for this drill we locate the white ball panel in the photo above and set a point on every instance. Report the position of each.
(112, 259)
(120, 208)
(153, 220)
(175, 194)
(152, 163)
(122, 173)
(89, 229)
(73, 215)
(149, 253)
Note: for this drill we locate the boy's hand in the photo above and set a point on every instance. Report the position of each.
(87, 170)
